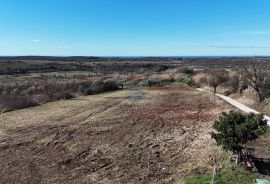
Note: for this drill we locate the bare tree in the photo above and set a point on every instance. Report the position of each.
(216, 77)
(257, 76)
(50, 89)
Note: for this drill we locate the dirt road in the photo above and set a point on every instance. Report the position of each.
(138, 136)
(238, 105)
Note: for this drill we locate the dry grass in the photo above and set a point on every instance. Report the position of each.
(139, 136)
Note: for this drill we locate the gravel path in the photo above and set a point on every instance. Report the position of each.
(238, 105)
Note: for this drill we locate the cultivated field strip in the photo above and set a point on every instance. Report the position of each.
(139, 136)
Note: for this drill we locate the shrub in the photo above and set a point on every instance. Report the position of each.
(50, 90)
(63, 95)
(227, 92)
(30, 91)
(186, 70)
(133, 83)
(81, 87)
(186, 79)
(158, 82)
(234, 129)
(14, 102)
(234, 83)
(100, 86)
(110, 85)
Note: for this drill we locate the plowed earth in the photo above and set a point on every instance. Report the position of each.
(146, 136)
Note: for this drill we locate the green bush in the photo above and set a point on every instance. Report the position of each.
(186, 79)
(233, 130)
(158, 82)
(133, 84)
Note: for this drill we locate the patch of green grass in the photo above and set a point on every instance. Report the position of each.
(231, 175)
(268, 131)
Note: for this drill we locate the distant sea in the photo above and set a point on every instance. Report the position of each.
(186, 57)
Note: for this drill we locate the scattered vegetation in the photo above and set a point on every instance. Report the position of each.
(230, 174)
(14, 102)
(29, 83)
(22, 95)
(159, 82)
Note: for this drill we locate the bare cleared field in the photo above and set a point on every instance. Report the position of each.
(129, 136)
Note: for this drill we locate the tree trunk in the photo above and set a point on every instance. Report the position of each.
(260, 95)
(238, 157)
(215, 90)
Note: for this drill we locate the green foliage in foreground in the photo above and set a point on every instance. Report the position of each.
(234, 129)
(230, 175)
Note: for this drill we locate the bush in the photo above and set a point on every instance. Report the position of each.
(100, 86)
(63, 95)
(158, 82)
(234, 129)
(186, 79)
(133, 83)
(81, 87)
(51, 89)
(110, 85)
(232, 84)
(14, 102)
(227, 92)
(186, 70)
(18, 96)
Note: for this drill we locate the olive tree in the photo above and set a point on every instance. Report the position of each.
(233, 130)
(257, 76)
(216, 77)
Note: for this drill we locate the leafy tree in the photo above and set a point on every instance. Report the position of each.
(233, 130)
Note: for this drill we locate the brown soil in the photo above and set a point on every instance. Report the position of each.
(141, 136)
(259, 151)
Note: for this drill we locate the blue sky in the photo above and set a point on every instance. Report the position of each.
(135, 27)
